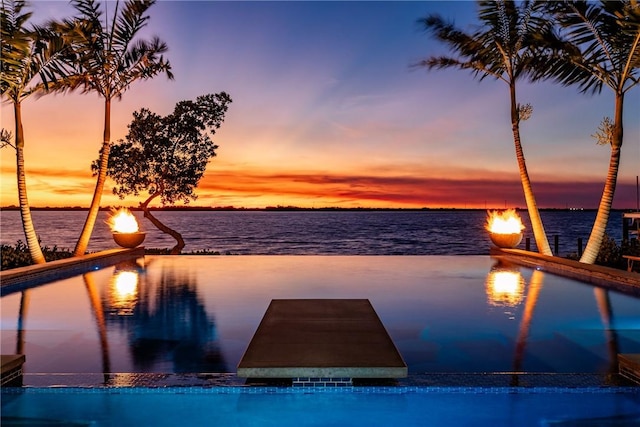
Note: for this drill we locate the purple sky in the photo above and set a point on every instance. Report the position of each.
(327, 111)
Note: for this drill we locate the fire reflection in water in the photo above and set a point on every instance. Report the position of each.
(504, 286)
(168, 326)
(123, 292)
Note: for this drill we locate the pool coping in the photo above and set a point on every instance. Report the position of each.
(444, 380)
(32, 275)
(609, 277)
(590, 273)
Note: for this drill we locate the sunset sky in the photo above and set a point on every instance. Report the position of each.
(328, 111)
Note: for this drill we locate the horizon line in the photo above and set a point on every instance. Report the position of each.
(296, 208)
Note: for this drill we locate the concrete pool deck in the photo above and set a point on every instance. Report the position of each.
(624, 281)
(33, 275)
(11, 370)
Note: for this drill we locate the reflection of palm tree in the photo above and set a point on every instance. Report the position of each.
(535, 285)
(98, 313)
(604, 307)
(24, 305)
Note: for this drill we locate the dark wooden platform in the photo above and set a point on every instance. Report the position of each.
(629, 366)
(331, 338)
(11, 370)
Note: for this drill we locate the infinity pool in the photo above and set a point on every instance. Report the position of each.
(197, 314)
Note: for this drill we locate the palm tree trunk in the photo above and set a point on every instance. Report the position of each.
(606, 314)
(534, 215)
(83, 240)
(177, 249)
(25, 212)
(604, 209)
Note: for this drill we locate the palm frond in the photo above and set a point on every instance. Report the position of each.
(107, 57)
(471, 52)
(131, 20)
(31, 57)
(506, 44)
(89, 9)
(606, 36)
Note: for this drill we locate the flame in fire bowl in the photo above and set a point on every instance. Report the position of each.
(124, 229)
(505, 228)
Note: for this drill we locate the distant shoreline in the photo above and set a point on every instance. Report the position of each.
(295, 208)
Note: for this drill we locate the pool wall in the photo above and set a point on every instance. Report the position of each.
(368, 406)
(613, 278)
(33, 275)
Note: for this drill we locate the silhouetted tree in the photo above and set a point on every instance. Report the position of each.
(167, 156)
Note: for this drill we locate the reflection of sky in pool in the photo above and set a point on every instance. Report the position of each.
(198, 313)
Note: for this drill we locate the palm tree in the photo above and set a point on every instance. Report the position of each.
(28, 63)
(107, 60)
(503, 48)
(603, 50)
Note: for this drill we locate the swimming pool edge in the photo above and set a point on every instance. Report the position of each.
(33, 275)
(624, 281)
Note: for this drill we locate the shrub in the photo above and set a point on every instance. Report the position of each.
(18, 255)
(610, 253)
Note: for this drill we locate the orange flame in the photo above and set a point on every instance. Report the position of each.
(504, 222)
(123, 221)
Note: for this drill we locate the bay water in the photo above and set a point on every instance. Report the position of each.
(314, 232)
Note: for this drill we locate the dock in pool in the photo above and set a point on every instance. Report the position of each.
(321, 342)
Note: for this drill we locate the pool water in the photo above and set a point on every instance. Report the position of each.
(370, 407)
(187, 314)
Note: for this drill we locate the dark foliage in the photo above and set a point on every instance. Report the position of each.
(18, 255)
(610, 253)
(167, 156)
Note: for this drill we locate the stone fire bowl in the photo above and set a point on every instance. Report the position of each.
(506, 240)
(129, 240)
